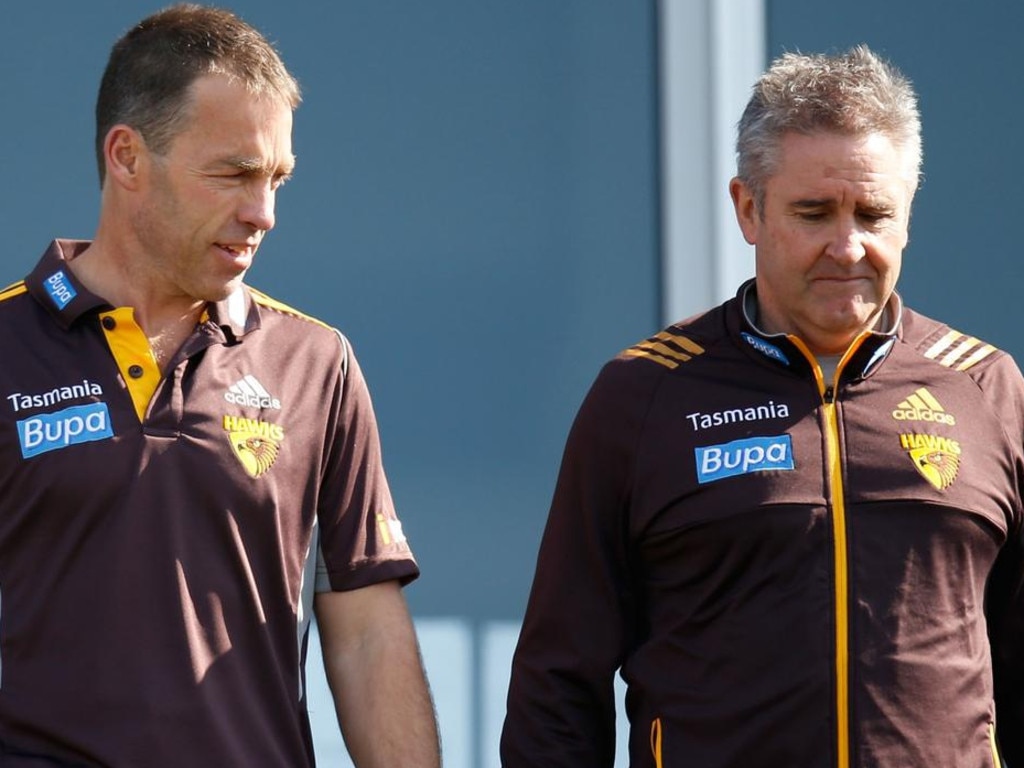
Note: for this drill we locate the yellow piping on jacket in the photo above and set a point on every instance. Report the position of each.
(656, 742)
(840, 553)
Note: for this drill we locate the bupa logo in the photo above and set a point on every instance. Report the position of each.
(60, 289)
(766, 349)
(46, 432)
(741, 457)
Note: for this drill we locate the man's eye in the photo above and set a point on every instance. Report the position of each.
(230, 176)
(812, 215)
(874, 217)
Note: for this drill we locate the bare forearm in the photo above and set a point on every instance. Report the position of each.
(385, 710)
(381, 695)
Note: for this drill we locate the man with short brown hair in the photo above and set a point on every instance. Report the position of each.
(190, 467)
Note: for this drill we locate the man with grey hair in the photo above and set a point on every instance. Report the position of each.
(793, 523)
(190, 468)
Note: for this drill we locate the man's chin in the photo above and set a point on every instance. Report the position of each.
(847, 326)
(224, 290)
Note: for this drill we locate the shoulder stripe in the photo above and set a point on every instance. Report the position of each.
(937, 348)
(13, 290)
(632, 352)
(681, 341)
(666, 348)
(956, 350)
(978, 356)
(265, 301)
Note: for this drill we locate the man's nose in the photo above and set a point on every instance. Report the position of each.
(258, 207)
(846, 245)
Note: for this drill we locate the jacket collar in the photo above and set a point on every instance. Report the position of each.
(864, 356)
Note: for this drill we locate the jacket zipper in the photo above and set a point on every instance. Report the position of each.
(840, 552)
(656, 742)
(841, 563)
(996, 760)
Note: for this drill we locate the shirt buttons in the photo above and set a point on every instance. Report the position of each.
(135, 371)
(109, 323)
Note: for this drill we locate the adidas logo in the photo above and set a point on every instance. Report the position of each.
(922, 406)
(249, 392)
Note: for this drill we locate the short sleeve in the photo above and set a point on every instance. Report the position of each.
(361, 536)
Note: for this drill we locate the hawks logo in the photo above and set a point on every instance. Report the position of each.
(936, 458)
(255, 443)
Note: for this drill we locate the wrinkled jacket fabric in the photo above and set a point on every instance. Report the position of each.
(789, 571)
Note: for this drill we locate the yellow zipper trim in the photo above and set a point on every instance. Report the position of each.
(656, 742)
(840, 551)
(997, 761)
(842, 565)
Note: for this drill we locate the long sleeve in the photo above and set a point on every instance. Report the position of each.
(1004, 600)
(1005, 612)
(579, 619)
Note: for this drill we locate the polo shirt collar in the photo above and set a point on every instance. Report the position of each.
(236, 315)
(55, 287)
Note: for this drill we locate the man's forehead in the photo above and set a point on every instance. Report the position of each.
(825, 165)
(832, 151)
(230, 125)
(217, 97)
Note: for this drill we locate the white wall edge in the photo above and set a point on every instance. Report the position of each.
(710, 54)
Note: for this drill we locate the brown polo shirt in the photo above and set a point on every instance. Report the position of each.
(159, 534)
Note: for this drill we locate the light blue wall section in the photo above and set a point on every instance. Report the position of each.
(964, 262)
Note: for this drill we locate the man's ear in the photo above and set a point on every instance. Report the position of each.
(747, 215)
(124, 152)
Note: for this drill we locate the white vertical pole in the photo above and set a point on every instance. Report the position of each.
(711, 52)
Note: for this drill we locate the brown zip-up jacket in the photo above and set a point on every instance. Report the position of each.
(790, 572)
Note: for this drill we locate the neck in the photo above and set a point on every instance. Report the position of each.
(166, 320)
(882, 322)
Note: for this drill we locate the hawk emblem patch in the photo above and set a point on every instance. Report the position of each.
(936, 458)
(255, 443)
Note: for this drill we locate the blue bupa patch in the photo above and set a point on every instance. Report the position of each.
(52, 431)
(766, 349)
(60, 289)
(741, 457)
